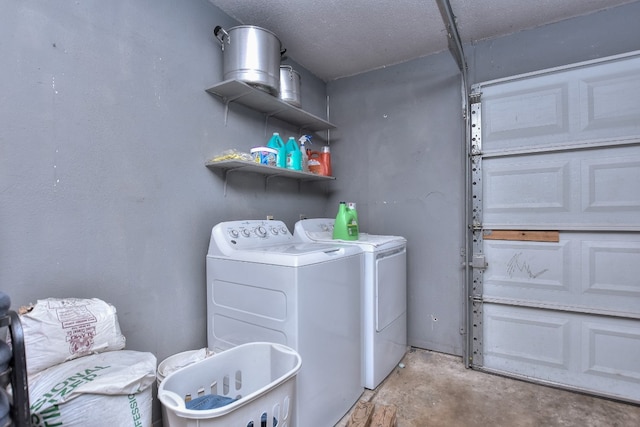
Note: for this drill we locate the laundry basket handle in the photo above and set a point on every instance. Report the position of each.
(284, 348)
(171, 399)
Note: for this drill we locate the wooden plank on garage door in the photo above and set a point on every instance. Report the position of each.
(525, 235)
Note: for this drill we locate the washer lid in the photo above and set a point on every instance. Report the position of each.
(269, 242)
(292, 255)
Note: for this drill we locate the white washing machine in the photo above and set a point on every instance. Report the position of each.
(384, 295)
(263, 285)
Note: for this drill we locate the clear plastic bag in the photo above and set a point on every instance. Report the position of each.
(232, 154)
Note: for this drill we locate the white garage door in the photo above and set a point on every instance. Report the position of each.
(556, 214)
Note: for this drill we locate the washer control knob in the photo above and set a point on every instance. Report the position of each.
(284, 230)
(234, 233)
(261, 232)
(246, 232)
(274, 231)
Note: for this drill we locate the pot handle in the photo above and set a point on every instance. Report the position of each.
(289, 69)
(216, 32)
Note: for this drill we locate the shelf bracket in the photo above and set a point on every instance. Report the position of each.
(228, 100)
(225, 176)
(267, 178)
(266, 181)
(267, 116)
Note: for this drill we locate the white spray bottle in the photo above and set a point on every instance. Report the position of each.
(303, 150)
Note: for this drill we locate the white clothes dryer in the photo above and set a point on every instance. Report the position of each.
(384, 295)
(263, 285)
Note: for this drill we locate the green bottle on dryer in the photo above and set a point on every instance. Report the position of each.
(345, 226)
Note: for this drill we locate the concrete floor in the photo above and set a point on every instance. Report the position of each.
(435, 389)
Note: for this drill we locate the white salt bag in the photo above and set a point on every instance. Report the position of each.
(59, 330)
(103, 390)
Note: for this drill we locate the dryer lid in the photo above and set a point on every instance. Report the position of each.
(321, 230)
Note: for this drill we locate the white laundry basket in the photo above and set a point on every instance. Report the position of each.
(260, 375)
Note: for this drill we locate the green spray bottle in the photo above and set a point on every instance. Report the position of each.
(345, 226)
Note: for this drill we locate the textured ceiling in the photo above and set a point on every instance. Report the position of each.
(339, 38)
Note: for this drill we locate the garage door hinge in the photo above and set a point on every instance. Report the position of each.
(479, 262)
(474, 97)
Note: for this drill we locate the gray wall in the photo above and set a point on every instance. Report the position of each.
(609, 32)
(105, 129)
(398, 151)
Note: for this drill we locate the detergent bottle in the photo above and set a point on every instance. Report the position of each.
(304, 158)
(278, 144)
(325, 159)
(345, 226)
(294, 156)
(320, 162)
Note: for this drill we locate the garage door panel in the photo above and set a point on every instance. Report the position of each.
(595, 103)
(611, 102)
(524, 269)
(526, 337)
(588, 352)
(613, 268)
(518, 186)
(583, 272)
(593, 189)
(541, 113)
(611, 184)
(611, 350)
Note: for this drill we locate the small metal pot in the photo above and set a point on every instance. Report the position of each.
(290, 86)
(252, 55)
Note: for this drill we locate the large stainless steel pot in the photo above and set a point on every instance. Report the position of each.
(290, 85)
(252, 55)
